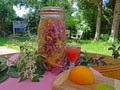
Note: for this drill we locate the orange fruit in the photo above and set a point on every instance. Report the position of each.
(81, 75)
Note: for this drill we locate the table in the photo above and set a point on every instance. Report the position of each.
(45, 83)
(112, 69)
(63, 83)
(14, 84)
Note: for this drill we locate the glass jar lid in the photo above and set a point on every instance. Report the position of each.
(51, 9)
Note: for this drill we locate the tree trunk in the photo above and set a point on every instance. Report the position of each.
(116, 21)
(98, 24)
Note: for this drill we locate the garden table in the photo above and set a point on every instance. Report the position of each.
(112, 67)
(45, 83)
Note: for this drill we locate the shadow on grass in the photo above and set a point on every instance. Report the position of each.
(21, 39)
(85, 41)
(80, 41)
(3, 41)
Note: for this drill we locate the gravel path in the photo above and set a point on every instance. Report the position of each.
(5, 50)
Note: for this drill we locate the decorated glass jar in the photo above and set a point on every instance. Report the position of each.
(52, 35)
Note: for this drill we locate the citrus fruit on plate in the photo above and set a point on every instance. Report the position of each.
(81, 75)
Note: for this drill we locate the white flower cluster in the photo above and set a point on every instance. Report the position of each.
(27, 58)
(27, 63)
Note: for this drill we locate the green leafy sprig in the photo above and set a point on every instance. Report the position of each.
(86, 60)
(7, 71)
(115, 51)
(29, 64)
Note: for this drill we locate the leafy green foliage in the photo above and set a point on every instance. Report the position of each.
(85, 60)
(3, 60)
(3, 76)
(104, 37)
(70, 23)
(29, 64)
(32, 20)
(3, 67)
(12, 72)
(3, 70)
(22, 77)
(87, 16)
(36, 78)
(6, 15)
(6, 71)
(115, 51)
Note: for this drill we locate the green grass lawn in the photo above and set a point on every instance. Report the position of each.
(11, 42)
(100, 47)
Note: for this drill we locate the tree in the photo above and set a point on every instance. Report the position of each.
(87, 11)
(6, 15)
(97, 3)
(107, 17)
(98, 24)
(70, 23)
(116, 22)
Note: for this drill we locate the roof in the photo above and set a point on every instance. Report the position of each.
(19, 18)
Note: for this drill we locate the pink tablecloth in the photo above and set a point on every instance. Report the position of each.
(14, 84)
(44, 84)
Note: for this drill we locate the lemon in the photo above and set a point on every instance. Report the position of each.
(103, 86)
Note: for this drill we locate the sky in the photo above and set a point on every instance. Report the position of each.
(20, 11)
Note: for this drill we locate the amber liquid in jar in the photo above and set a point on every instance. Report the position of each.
(51, 35)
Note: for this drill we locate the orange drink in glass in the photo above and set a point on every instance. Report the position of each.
(72, 53)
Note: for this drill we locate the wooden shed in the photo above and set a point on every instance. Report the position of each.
(19, 25)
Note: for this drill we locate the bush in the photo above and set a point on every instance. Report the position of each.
(104, 37)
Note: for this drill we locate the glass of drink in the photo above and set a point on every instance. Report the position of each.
(72, 53)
